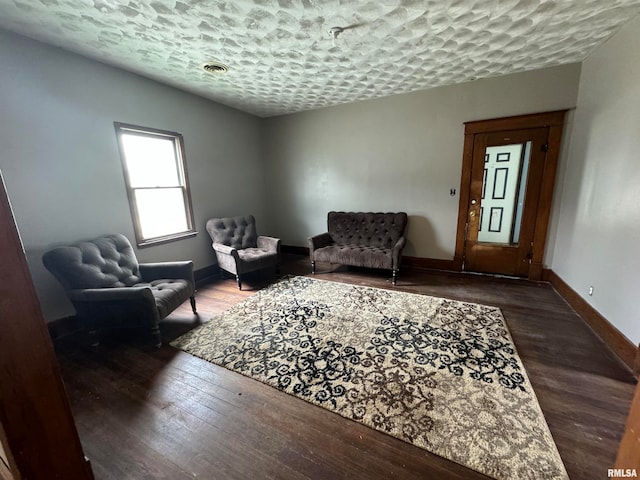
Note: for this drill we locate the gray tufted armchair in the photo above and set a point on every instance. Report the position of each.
(107, 285)
(239, 249)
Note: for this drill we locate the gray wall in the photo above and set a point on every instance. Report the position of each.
(61, 164)
(397, 153)
(62, 169)
(598, 225)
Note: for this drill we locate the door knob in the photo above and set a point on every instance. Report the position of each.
(472, 213)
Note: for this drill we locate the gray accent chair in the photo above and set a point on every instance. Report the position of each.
(238, 247)
(108, 287)
(361, 239)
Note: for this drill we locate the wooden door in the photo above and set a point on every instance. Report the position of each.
(507, 182)
(505, 185)
(37, 432)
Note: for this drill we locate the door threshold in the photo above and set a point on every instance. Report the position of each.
(495, 275)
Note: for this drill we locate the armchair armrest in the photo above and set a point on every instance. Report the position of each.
(155, 271)
(319, 241)
(270, 244)
(112, 294)
(97, 306)
(225, 249)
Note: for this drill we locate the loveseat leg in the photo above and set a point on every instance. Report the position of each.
(192, 299)
(239, 282)
(394, 277)
(313, 267)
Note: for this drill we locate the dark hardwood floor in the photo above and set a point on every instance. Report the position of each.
(145, 413)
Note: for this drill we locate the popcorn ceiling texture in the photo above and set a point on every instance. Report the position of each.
(282, 59)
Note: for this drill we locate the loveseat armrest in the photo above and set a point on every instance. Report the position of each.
(319, 241)
(167, 270)
(270, 244)
(397, 252)
(112, 294)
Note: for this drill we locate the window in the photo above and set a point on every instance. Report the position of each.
(155, 173)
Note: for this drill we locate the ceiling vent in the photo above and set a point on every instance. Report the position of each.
(215, 67)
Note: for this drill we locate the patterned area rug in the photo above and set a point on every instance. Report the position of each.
(440, 374)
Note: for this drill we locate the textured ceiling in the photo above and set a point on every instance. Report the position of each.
(282, 59)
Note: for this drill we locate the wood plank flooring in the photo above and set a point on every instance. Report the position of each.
(145, 413)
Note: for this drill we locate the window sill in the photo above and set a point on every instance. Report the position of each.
(166, 239)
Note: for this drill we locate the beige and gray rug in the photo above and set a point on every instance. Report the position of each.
(440, 374)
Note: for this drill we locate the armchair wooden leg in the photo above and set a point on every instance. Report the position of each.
(155, 335)
(239, 282)
(313, 267)
(192, 299)
(394, 277)
(94, 337)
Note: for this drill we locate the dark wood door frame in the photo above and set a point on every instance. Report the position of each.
(554, 121)
(37, 430)
(629, 449)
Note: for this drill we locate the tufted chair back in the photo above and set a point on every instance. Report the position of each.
(107, 261)
(370, 229)
(237, 232)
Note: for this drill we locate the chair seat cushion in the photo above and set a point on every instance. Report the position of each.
(258, 255)
(356, 255)
(169, 294)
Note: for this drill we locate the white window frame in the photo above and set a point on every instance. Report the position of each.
(181, 163)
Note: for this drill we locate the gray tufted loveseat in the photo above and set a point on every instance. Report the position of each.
(238, 247)
(108, 287)
(361, 239)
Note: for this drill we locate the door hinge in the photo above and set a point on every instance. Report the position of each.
(545, 147)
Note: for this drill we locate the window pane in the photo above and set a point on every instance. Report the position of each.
(161, 211)
(150, 162)
(155, 170)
